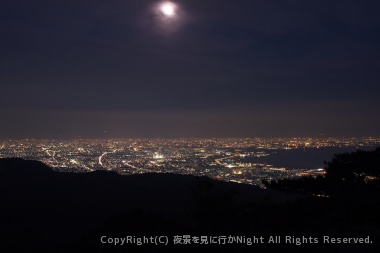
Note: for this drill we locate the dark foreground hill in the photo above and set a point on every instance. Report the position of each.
(46, 211)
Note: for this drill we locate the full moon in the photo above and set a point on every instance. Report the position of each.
(168, 9)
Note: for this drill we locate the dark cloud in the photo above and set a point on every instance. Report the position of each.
(217, 59)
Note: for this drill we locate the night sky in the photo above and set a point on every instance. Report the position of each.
(213, 68)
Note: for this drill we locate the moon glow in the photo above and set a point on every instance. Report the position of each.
(166, 17)
(168, 9)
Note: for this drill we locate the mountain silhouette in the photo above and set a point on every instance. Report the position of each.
(47, 211)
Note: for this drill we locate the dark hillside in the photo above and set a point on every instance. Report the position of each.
(46, 211)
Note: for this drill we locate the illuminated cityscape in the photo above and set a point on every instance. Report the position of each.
(226, 159)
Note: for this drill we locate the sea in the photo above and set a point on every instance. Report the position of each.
(302, 158)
